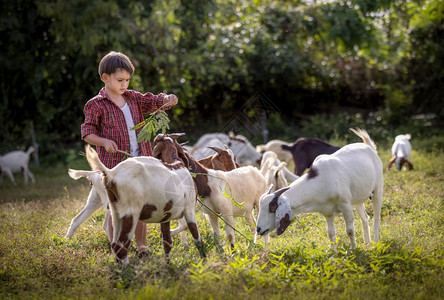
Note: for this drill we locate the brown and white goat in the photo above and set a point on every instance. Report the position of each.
(245, 185)
(223, 159)
(402, 151)
(333, 184)
(305, 150)
(146, 189)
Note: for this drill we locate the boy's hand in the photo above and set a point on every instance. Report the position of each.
(170, 100)
(110, 146)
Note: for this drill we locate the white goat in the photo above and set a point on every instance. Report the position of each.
(245, 152)
(96, 199)
(289, 176)
(273, 175)
(333, 184)
(146, 189)
(401, 150)
(244, 185)
(14, 162)
(276, 147)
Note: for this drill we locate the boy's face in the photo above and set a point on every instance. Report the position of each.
(117, 82)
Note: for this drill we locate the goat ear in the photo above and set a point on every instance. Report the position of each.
(176, 135)
(283, 215)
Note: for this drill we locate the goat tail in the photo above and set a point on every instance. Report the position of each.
(30, 150)
(365, 137)
(94, 160)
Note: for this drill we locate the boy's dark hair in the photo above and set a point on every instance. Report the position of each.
(113, 61)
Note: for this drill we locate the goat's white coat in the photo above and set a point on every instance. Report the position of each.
(242, 148)
(276, 147)
(96, 199)
(245, 185)
(401, 148)
(273, 174)
(289, 176)
(14, 162)
(348, 177)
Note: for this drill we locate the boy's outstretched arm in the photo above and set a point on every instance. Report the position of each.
(109, 145)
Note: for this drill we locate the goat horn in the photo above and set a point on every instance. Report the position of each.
(217, 149)
(278, 193)
(176, 135)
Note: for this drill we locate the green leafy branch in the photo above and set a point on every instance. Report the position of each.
(156, 121)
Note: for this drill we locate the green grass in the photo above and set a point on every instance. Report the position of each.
(408, 262)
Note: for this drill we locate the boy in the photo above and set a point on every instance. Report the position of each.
(109, 117)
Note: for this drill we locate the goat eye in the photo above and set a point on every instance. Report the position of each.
(90, 183)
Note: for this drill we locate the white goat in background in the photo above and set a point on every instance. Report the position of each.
(401, 150)
(334, 183)
(276, 147)
(273, 174)
(14, 162)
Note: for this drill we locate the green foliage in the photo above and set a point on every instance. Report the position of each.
(308, 57)
(156, 122)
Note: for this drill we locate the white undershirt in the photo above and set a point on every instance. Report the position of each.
(134, 146)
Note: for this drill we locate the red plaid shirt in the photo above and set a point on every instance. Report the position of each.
(106, 120)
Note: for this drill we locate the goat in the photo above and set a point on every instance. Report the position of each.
(273, 174)
(333, 184)
(305, 150)
(245, 152)
(146, 189)
(401, 150)
(276, 147)
(96, 199)
(223, 160)
(244, 184)
(289, 176)
(15, 161)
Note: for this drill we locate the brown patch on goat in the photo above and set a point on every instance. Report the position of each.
(121, 249)
(147, 212)
(168, 206)
(283, 224)
(111, 190)
(170, 152)
(201, 178)
(272, 207)
(166, 237)
(312, 173)
(166, 217)
(193, 230)
(405, 161)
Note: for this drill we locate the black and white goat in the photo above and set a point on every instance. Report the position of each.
(146, 189)
(333, 184)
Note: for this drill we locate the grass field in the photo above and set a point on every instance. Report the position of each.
(408, 262)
